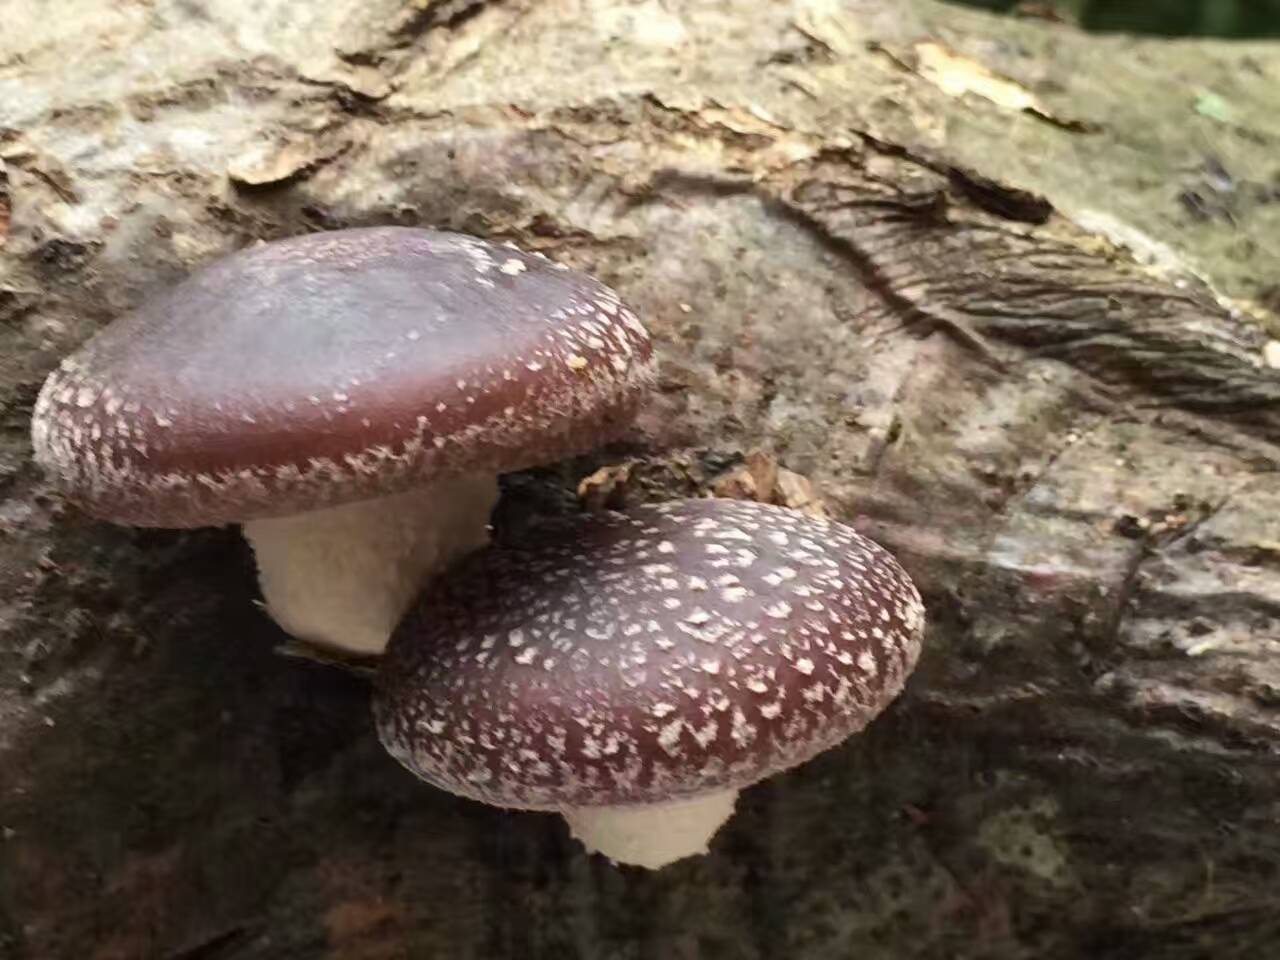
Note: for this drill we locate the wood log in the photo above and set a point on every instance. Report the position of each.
(1001, 293)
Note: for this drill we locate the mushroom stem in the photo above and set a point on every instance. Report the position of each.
(652, 835)
(342, 577)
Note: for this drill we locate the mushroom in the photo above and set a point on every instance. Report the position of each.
(635, 671)
(351, 398)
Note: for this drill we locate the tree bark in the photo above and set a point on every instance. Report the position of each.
(999, 291)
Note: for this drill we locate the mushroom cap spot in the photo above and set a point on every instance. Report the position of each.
(646, 703)
(325, 369)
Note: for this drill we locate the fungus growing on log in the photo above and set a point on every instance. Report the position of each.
(635, 671)
(351, 398)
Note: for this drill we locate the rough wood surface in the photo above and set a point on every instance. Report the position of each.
(988, 335)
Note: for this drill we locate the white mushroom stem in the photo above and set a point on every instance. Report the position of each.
(655, 834)
(342, 577)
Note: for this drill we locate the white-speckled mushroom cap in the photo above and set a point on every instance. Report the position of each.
(337, 367)
(685, 648)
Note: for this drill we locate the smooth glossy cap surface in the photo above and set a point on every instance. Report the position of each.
(693, 646)
(336, 367)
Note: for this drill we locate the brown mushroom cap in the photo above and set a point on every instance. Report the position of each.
(684, 648)
(337, 367)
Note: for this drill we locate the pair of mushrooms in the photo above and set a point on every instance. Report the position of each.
(351, 398)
